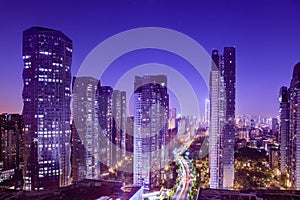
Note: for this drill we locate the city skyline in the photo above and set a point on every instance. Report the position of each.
(150, 100)
(260, 60)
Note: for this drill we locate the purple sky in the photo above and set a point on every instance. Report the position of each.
(266, 35)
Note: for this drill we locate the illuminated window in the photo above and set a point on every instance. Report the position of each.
(68, 49)
(45, 52)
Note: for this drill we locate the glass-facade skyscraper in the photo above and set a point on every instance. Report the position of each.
(47, 56)
(294, 135)
(151, 111)
(229, 128)
(85, 128)
(105, 121)
(119, 125)
(222, 119)
(284, 130)
(217, 117)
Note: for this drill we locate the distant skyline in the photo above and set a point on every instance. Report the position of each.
(265, 34)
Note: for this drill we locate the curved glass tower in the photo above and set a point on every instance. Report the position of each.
(47, 56)
(294, 136)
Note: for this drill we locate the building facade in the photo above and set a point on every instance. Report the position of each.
(119, 125)
(11, 141)
(284, 129)
(151, 107)
(207, 112)
(216, 122)
(129, 134)
(172, 118)
(47, 56)
(229, 128)
(105, 121)
(222, 119)
(85, 128)
(294, 135)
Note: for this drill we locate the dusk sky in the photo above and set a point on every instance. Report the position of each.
(266, 35)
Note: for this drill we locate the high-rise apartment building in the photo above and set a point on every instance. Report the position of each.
(47, 56)
(77, 155)
(11, 141)
(222, 119)
(105, 121)
(119, 125)
(294, 135)
(216, 122)
(151, 107)
(284, 110)
(229, 128)
(85, 128)
(129, 134)
(172, 118)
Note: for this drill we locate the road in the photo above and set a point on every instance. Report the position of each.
(184, 186)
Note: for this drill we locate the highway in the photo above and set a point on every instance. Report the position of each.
(184, 186)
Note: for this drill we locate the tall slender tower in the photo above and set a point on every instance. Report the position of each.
(119, 125)
(151, 107)
(129, 134)
(284, 129)
(47, 56)
(85, 128)
(222, 119)
(216, 121)
(105, 121)
(229, 128)
(294, 137)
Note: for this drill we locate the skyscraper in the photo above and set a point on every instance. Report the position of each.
(151, 107)
(284, 129)
(172, 118)
(129, 134)
(222, 120)
(85, 128)
(119, 125)
(77, 155)
(11, 141)
(105, 121)
(216, 122)
(229, 128)
(294, 141)
(47, 56)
